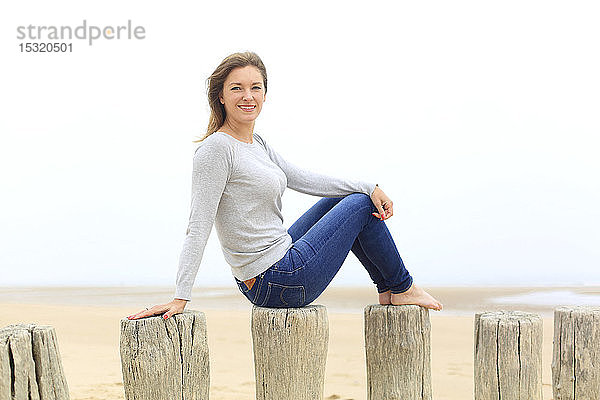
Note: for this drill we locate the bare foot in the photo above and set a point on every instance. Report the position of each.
(385, 298)
(416, 295)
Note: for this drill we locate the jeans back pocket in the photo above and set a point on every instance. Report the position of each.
(284, 296)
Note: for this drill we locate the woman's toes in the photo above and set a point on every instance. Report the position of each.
(416, 295)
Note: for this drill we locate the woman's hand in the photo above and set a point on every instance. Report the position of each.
(174, 307)
(384, 204)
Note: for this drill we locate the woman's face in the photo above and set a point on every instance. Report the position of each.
(243, 94)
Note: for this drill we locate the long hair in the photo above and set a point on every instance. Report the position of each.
(216, 81)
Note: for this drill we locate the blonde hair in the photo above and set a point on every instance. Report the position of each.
(216, 81)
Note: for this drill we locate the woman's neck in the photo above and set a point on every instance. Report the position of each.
(240, 132)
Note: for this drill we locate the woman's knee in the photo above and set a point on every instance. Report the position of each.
(361, 199)
(359, 196)
(362, 204)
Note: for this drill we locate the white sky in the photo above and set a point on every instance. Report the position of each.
(480, 120)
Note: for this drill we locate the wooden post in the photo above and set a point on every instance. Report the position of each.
(290, 350)
(165, 359)
(398, 352)
(508, 356)
(30, 364)
(576, 353)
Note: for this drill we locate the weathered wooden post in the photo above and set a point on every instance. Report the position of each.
(508, 356)
(30, 364)
(290, 351)
(398, 352)
(165, 359)
(576, 356)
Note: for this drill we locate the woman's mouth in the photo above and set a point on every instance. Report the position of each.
(247, 108)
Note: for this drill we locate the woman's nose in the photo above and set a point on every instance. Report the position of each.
(247, 95)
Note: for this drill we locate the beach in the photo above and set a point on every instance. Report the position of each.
(87, 326)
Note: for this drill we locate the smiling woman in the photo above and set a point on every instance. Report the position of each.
(238, 181)
(242, 98)
(238, 76)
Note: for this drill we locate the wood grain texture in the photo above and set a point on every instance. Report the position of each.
(30, 364)
(508, 356)
(165, 359)
(398, 352)
(576, 353)
(290, 352)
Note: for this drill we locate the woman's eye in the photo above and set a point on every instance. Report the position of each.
(237, 87)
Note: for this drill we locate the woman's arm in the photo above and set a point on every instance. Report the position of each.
(213, 163)
(316, 184)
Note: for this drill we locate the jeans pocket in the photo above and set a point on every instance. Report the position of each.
(284, 295)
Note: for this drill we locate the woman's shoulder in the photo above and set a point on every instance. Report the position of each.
(214, 142)
(215, 149)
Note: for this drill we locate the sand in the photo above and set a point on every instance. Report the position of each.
(87, 326)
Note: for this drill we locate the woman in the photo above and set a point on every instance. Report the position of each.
(238, 181)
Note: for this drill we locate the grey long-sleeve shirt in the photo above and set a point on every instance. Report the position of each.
(238, 187)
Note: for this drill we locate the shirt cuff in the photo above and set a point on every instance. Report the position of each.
(183, 294)
(372, 188)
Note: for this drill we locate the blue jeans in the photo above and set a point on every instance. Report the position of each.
(322, 238)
